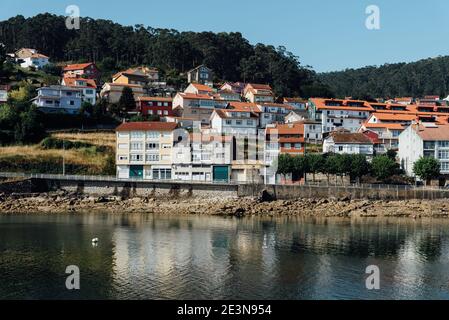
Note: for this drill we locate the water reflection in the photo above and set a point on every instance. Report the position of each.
(169, 257)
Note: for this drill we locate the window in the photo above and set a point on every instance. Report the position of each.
(165, 104)
(152, 157)
(165, 112)
(159, 112)
(72, 103)
(152, 146)
(162, 174)
(159, 104)
(123, 146)
(238, 122)
(443, 144)
(266, 116)
(123, 158)
(135, 146)
(444, 166)
(229, 122)
(137, 135)
(153, 134)
(297, 146)
(166, 146)
(123, 134)
(443, 154)
(136, 157)
(89, 91)
(287, 146)
(340, 148)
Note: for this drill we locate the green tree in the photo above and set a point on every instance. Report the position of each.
(427, 168)
(126, 101)
(383, 167)
(315, 163)
(330, 166)
(30, 128)
(359, 166)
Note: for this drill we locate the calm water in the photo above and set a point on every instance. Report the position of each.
(154, 257)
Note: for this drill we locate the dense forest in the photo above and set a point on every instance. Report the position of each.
(424, 77)
(114, 47)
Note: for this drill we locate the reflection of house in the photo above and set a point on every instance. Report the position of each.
(4, 93)
(88, 87)
(424, 140)
(160, 106)
(58, 99)
(344, 142)
(112, 92)
(258, 93)
(200, 74)
(82, 70)
(31, 58)
(144, 150)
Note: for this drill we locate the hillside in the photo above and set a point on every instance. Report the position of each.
(115, 47)
(424, 77)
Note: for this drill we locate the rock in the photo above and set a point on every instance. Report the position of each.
(265, 196)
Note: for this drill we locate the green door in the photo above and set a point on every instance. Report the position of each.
(136, 172)
(221, 173)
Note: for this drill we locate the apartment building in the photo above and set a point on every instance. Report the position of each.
(144, 150)
(198, 107)
(238, 122)
(203, 157)
(155, 106)
(424, 140)
(58, 99)
(258, 93)
(273, 113)
(335, 113)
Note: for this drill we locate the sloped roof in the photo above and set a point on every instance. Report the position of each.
(147, 126)
(78, 66)
(350, 138)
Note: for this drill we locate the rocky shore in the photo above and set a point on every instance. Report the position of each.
(63, 202)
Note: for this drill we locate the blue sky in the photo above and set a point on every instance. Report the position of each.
(326, 34)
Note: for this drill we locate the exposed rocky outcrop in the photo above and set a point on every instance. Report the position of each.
(62, 202)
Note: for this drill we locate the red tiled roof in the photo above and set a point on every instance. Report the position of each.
(162, 99)
(202, 87)
(147, 126)
(70, 82)
(79, 66)
(350, 138)
(289, 128)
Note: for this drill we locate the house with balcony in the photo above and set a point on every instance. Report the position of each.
(203, 157)
(112, 92)
(273, 113)
(201, 74)
(155, 106)
(424, 140)
(345, 142)
(339, 114)
(237, 122)
(198, 107)
(82, 70)
(58, 99)
(144, 150)
(258, 93)
(298, 104)
(31, 58)
(88, 88)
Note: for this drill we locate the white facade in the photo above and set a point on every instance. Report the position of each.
(3, 95)
(330, 145)
(271, 113)
(346, 119)
(233, 122)
(38, 62)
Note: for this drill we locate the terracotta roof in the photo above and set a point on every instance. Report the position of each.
(432, 133)
(394, 116)
(223, 113)
(258, 86)
(277, 105)
(295, 100)
(202, 87)
(244, 106)
(321, 103)
(350, 138)
(147, 126)
(284, 129)
(163, 99)
(196, 96)
(79, 66)
(392, 126)
(71, 82)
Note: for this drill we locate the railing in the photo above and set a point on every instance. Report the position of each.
(331, 184)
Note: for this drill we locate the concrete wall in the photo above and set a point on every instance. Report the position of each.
(285, 192)
(140, 189)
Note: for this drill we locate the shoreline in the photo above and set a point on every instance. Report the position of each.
(60, 202)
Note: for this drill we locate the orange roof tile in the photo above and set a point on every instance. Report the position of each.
(78, 66)
(71, 82)
(147, 126)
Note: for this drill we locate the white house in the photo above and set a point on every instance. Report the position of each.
(4, 93)
(344, 142)
(31, 58)
(58, 99)
(234, 122)
(424, 140)
(258, 93)
(273, 113)
(87, 86)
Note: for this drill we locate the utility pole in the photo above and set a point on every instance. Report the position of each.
(63, 157)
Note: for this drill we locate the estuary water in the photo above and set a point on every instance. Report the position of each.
(200, 257)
